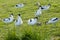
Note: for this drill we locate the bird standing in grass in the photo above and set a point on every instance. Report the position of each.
(32, 21)
(9, 19)
(46, 7)
(38, 12)
(19, 21)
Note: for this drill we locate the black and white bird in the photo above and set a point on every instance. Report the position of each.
(46, 7)
(19, 5)
(38, 12)
(53, 20)
(9, 19)
(32, 21)
(19, 21)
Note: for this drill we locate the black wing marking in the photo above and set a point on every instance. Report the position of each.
(55, 19)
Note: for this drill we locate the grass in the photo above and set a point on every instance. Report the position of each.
(43, 32)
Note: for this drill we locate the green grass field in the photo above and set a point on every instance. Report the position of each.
(25, 31)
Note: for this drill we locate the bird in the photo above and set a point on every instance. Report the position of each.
(53, 20)
(19, 5)
(32, 21)
(9, 19)
(38, 12)
(46, 7)
(19, 21)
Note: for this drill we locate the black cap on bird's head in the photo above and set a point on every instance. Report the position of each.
(35, 17)
(19, 14)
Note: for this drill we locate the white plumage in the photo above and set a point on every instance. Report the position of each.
(19, 5)
(32, 21)
(19, 21)
(53, 20)
(38, 12)
(9, 19)
(46, 7)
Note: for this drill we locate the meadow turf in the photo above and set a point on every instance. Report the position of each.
(25, 31)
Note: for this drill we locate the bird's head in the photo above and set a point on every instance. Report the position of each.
(19, 14)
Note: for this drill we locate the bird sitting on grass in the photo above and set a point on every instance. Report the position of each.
(53, 20)
(46, 7)
(19, 21)
(19, 5)
(32, 21)
(38, 12)
(9, 19)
